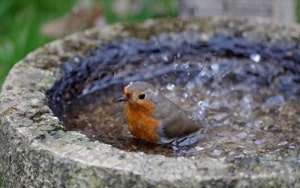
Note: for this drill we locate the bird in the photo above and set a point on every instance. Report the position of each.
(153, 117)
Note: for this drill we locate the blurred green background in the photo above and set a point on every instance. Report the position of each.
(21, 22)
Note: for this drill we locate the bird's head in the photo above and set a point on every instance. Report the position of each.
(140, 97)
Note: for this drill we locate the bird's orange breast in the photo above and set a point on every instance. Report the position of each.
(142, 125)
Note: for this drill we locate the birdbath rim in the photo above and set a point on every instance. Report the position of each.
(39, 149)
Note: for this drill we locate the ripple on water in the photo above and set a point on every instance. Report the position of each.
(249, 104)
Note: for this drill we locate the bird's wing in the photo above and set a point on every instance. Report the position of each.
(175, 121)
(179, 125)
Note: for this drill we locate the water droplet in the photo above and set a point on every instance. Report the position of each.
(248, 98)
(175, 66)
(185, 95)
(56, 118)
(200, 103)
(198, 148)
(202, 106)
(216, 152)
(283, 143)
(77, 60)
(255, 57)
(165, 57)
(292, 146)
(170, 87)
(185, 65)
(248, 152)
(215, 67)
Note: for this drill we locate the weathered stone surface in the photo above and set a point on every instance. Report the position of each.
(36, 151)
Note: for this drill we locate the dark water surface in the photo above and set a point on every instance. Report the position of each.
(246, 93)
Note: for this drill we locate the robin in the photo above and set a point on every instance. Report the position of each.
(153, 117)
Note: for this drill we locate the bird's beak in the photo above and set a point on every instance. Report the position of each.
(122, 99)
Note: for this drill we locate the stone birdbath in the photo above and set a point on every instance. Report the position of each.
(62, 127)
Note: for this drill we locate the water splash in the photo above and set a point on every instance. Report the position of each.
(170, 87)
(204, 77)
(255, 57)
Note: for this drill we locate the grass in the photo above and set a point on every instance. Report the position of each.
(20, 28)
(146, 11)
(298, 11)
(21, 21)
(1, 181)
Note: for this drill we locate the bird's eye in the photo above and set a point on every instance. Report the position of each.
(142, 96)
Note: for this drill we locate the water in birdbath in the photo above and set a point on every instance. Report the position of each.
(246, 94)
